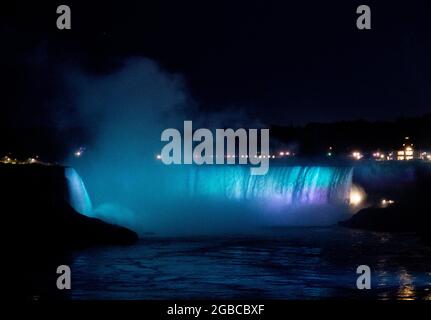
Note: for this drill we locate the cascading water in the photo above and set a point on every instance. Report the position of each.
(77, 193)
(129, 186)
(204, 199)
(289, 185)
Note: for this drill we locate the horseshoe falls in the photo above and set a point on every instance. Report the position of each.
(290, 186)
(210, 199)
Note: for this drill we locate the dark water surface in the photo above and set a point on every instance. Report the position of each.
(282, 263)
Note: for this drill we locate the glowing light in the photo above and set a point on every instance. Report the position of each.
(159, 157)
(409, 151)
(357, 155)
(406, 154)
(385, 202)
(380, 156)
(79, 152)
(356, 196)
(284, 153)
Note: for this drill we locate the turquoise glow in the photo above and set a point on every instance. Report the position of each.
(205, 199)
(297, 185)
(77, 193)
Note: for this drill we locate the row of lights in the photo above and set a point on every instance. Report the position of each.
(9, 160)
(407, 153)
(357, 155)
(380, 156)
(281, 154)
(234, 156)
(425, 156)
(285, 154)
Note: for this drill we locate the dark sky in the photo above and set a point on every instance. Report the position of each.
(284, 62)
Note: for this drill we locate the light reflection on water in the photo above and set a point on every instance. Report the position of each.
(407, 289)
(285, 263)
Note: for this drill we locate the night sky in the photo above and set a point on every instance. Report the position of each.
(283, 62)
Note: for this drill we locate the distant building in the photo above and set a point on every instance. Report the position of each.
(407, 152)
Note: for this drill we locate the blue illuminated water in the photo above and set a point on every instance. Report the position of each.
(77, 193)
(207, 199)
(275, 262)
(280, 263)
(289, 185)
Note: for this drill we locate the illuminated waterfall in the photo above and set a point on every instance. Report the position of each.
(77, 193)
(219, 198)
(297, 185)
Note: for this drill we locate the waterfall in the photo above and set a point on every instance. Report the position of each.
(209, 199)
(293, 185)
(78, 197)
